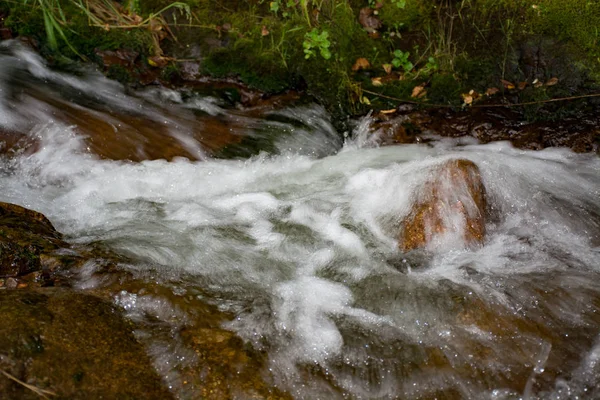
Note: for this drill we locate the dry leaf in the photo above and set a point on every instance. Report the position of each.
(159, 61)
(418, 91)
(552, 81)
(507, 84)
(137, 19)
(467, 98)
(361, 63)
(538, 84)
(387, 68)
(376, 81)
(155, 26)
(491, 91)
(264, 31)
(390, 111)
(522, 85)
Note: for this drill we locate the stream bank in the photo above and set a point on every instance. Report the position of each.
(455, 54)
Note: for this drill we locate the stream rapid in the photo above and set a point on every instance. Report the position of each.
(299, 245)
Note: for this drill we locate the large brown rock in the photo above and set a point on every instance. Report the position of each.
(27, 241)
(451, 205)
(72, 344)
(33, 253)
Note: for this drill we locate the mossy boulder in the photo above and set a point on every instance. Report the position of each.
(72, 344)
(28, 241)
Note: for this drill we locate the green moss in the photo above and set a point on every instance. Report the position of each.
(400, 20)
(119, 73)
(445, 89)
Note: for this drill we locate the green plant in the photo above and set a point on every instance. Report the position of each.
(286, 7)
(399, 3)
(314, 41)
(401, 60)
(431, 65)
(54, 21)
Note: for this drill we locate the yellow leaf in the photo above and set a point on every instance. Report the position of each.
(418, 91)
(507, 84)
(376, 81)
(467, 98)
(387, 68)
(390, 111)
(365, 100)
(361, 63)
(492, 91)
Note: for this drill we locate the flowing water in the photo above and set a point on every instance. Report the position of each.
(298, 246)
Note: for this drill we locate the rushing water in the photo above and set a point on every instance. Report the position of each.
(299, 246)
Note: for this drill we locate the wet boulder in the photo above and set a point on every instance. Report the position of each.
(73, 345)
(450, 210)
(28, 242)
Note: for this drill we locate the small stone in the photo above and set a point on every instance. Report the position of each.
(11, 283)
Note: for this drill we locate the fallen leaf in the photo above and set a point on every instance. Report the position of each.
(538, 84)
(155, 25)
(365, 100)
(507, 84)
(368, 21)
(162, 35)
(376, 81)
(476, 96)
(491, 91)
(522, 85)
(136, 19)
(467, 99)
(264, 31)
(159, 61)
(390, 111)
(387, 68)
(552, 81)
(361, 63)
(418, 91)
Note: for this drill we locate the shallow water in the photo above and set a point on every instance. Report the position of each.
(299, 247)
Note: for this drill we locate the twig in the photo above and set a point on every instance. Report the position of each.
(38, 391)
(529, 103)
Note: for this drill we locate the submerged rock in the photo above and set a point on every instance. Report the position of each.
(72, 344)
(449, 211)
